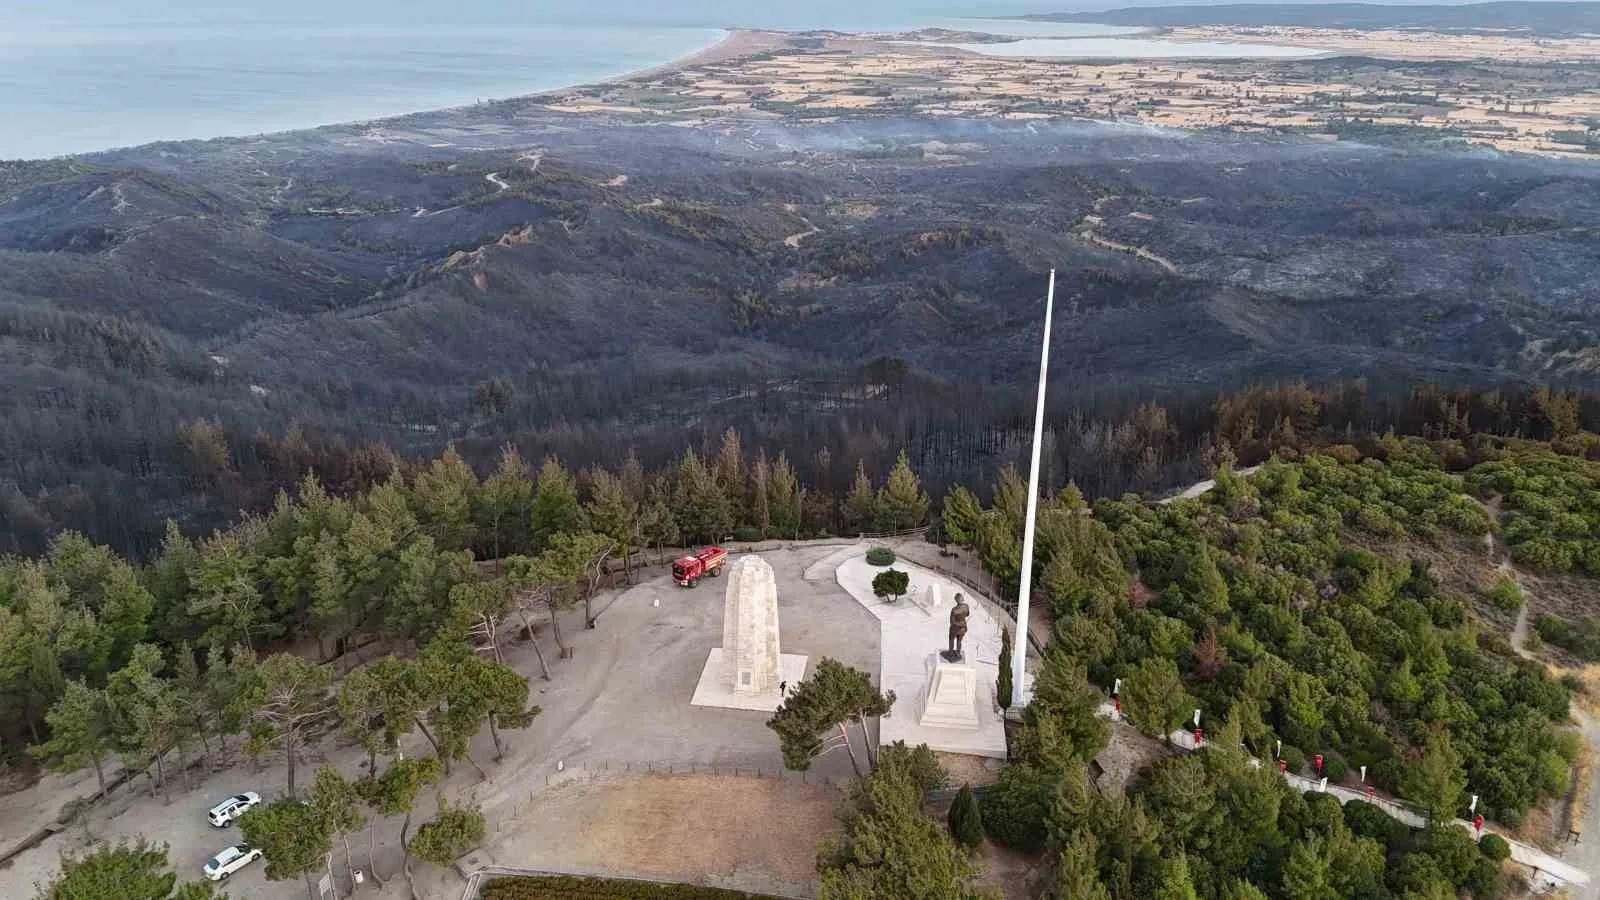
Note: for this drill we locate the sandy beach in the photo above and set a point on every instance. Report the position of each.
(736, 43)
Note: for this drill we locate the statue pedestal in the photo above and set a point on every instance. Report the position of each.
(952, 700)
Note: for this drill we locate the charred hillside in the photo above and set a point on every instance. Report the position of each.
(637, 279)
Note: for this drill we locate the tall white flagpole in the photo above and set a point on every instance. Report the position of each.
(1019, 656)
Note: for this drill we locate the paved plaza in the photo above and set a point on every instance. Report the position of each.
(910, 637)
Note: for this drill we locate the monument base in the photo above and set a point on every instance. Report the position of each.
(952, 697)
(715, 688)
(952, 656)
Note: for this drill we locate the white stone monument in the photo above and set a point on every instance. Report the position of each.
(747, 671)
(952, 700)
(931, 598)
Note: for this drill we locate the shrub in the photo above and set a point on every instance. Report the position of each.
(1368, 821)
(1465, 516)
(1505, 594)
(1294, 758)
(880, 556)
(1581, 639)
(449, 835)
(1545, 553)
(1323, 812)
(1342, 452)
(1014, 807)
(916, 763)
(1496, 643)
(1452, 850)
(966, 820)
(1495, 847)
(571, 887)
(1334, 767)
(747, 534)
(891, 583)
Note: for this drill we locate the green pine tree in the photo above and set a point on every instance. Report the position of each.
(901, 503)
(860, 510)
(125, 871)
(728, 471)
(505, 507)
(442, 496)
(1153, 697)
(888, 849)
(80, 732)
(1175, 883)
(960, 516)
(1305, 875)
(555, 503)
(699, 505)
(1003, 686)
(1203, 584)
(1438, 782)
(1077, 875)
(760, 505)
(966, 821)
(295, 838)
(611, 513)
(783, 499)
(1242, 890)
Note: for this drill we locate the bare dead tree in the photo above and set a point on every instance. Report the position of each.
(485, 634)
(593, 570)
(521, 602)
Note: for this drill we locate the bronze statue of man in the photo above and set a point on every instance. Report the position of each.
(958, 628)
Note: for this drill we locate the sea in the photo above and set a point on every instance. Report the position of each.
(97, 74)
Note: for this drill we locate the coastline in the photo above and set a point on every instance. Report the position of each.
(813, 80)
(733, 43)
(736, 42)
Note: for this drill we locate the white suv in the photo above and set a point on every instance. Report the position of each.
(230, 860)
(232, 808)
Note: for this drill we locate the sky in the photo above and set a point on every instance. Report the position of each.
(673, 12)
(19, 13)
(27, 16)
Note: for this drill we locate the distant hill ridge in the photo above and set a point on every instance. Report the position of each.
(1541, 18)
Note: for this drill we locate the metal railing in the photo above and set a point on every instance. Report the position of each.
(476, 878)
(884, 535)
(593, 770)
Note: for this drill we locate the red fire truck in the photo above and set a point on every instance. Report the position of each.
(706, 563)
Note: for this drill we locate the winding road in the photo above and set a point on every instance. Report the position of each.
(1579, 855)
(793, 240)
